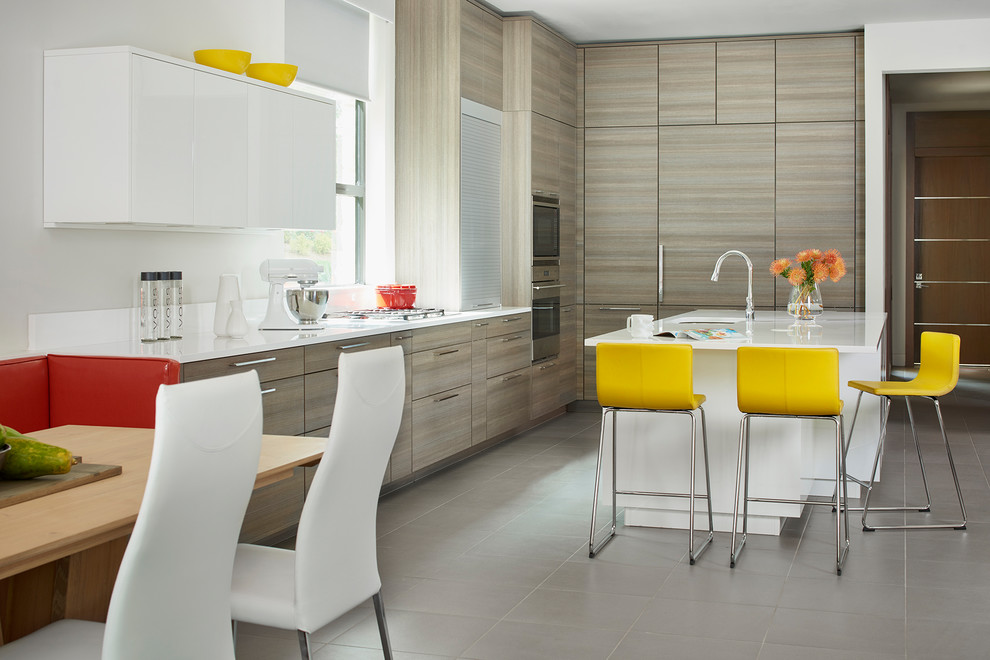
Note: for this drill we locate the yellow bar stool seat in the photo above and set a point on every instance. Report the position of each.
(797, 383)
(937, 376)
(654, 378)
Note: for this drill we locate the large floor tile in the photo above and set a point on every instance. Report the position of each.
(637, 645)
(580, 609)
(529, 641)
(837, 630)
(708, 620)
(420, 632)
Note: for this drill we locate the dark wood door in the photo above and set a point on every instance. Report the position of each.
(951, 251)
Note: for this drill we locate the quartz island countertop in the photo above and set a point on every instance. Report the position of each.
(849, 332)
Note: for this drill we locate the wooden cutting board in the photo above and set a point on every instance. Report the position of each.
(17, 491)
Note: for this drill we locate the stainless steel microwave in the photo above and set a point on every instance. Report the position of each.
(546, 225)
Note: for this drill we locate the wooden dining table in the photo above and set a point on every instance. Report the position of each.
(59, 553)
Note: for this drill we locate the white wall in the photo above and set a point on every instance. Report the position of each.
(905, 48)
(53, 270)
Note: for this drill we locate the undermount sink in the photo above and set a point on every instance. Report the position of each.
(709, 319)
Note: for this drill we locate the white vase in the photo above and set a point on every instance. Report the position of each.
(237, 326)
(228, 291)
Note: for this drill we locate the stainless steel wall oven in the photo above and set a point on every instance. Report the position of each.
(546, 310)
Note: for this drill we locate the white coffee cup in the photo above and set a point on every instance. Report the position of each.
(640, 325)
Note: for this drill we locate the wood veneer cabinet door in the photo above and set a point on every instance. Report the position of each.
(546, 72)
(745, 82)
(400, 464)
(620, 86)
(544, 154)
(687, 84)
(508, 401)
(439, 427)
(716, 194)
(816, 79)
(620, 233)
(481, 55)
(567, 385)
(567, 174)
(816, 199)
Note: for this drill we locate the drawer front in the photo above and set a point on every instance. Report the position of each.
(321, 393)
(508, 401)
(479, 329)
(546, 384)
(282, 402)
(441, 426)
(440, 369)
(325, 355)
(508, 353)
(513, 324)
(270, 365)
(425, 339)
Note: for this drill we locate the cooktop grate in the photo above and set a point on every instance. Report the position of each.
(388, 314)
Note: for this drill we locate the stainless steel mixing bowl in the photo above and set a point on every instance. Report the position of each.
(306, 305)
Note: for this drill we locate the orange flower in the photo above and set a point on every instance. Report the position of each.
(819, 271)
(779, 266)
(808, 255)
(796, 276)
(837, 270)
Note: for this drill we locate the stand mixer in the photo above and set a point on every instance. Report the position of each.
(279, 272)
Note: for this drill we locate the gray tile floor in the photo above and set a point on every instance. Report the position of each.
(488, 560)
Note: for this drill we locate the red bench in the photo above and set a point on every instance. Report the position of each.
(52, 390)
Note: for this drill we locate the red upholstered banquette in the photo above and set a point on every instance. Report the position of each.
(41, 391)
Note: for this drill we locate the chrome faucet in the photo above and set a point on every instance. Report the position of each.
(750, 315)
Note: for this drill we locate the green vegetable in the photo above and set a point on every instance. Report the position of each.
(29, 458)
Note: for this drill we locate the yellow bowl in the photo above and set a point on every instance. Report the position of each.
(277, 74)
(234, 61)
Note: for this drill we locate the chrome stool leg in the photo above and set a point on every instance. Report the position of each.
(743, 446)
(592, 548)
(692, 553)
(961, 525)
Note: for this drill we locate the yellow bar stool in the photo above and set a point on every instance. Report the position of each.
(794, 383)
(937, 376)
(654, 378)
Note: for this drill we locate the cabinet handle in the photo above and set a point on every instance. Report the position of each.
(506, 379)
(512, 338)
(456, 350)
(403, 338)
(344, 348)
(480, 325)
(619, 309)
(547, 366)
(247, 364)
(487, 304)
(268, 391)
(548, 286)
(516, 318)
(446, 398)
(660, 274)
(566, 310)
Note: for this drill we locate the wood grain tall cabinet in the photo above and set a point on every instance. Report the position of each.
(696, 147)
(539, 122)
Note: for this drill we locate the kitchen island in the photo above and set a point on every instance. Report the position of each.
(790, 459)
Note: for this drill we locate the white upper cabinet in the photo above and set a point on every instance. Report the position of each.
(141, 139)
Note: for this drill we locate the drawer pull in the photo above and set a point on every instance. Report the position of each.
(480, 325)
(403, 338)
(456, 350)
(512, 338)
(446, 398)
(515, 318)
(506, 379)
(619, 309)
(268, 391)
(350, 346)
(547, 366)
(247, 364)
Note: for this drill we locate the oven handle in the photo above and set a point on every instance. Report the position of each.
(543, 309)
(548, 286)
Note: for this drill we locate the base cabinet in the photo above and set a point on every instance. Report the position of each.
(508, 398)
(439, 427)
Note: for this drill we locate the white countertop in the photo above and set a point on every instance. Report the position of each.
(850, 332)
(205, 346)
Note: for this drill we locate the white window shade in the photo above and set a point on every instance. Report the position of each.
(329, 41)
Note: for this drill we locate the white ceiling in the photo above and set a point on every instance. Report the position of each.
(587, 21)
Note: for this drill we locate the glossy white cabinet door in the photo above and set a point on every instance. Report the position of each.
(314, 182)
(221, 151)
(269, 158)
(162, 133)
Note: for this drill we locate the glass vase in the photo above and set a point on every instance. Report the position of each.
(805, 302)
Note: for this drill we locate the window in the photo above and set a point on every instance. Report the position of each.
(341, 250)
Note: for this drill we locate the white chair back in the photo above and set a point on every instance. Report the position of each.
(172, 595)
(336, 561)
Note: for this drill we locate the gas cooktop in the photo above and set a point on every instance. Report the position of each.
(388, 314)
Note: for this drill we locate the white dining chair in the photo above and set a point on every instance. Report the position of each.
(172, 595)
(334, 566)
